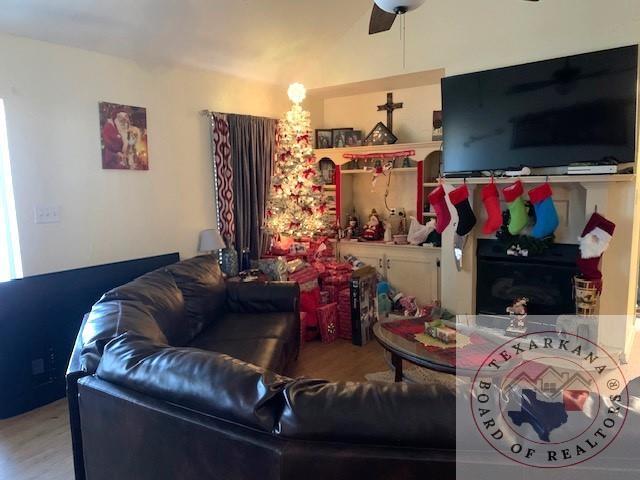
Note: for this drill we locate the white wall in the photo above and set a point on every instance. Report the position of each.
(52, 94)
(412, 123)
(468, 35)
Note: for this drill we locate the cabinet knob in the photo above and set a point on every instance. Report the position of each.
(388, 264)
(380, 263)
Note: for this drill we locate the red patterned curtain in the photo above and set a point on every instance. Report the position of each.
(223, 175)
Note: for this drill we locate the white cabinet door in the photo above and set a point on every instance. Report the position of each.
(414, 273)
(369, 254)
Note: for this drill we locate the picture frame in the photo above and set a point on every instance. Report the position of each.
(327, 171)
(436, 134)
(339, 136)
(324, 138)
(123, 137)
(353, 138)
(380, 135)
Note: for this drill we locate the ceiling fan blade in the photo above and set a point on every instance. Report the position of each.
(381, 21)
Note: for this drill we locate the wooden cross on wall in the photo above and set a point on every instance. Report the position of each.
(390, 107)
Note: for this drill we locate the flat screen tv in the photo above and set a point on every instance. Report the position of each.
(551, 113)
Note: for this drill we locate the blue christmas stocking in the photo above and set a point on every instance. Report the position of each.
(546, 215)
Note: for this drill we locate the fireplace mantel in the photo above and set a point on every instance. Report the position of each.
(576, 197)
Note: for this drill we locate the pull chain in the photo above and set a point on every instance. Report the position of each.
(403, 36)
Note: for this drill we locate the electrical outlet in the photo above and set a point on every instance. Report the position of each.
(47, 214)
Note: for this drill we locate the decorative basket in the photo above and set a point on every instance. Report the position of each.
(587, 295)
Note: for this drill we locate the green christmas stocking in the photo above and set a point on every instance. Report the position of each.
(517, 209)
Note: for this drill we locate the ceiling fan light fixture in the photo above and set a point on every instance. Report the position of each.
(398, 7)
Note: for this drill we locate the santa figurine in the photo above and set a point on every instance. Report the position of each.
(374, 229)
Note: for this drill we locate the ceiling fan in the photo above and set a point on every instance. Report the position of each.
(385, 12)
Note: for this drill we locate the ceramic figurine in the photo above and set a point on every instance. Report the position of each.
(517, 314)
(374, 229)
(388, 234)
(353, 229)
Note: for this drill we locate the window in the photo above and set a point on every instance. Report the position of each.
(10, 262)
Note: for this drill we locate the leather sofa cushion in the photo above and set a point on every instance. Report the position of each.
(267, 353)
(238, 326)
(209, 382)
(204, 291)
(263, 297)
(370, 413)
(109, 319)
(164, 300)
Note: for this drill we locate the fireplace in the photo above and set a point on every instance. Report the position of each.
(545, 279)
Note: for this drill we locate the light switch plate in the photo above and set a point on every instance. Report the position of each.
(47, 214)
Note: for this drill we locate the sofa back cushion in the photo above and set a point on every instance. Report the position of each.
(109, 319)
(370, 413)
(209, 382)
(158, 291)
(204, 291)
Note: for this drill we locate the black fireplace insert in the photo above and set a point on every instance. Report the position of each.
(545, 279)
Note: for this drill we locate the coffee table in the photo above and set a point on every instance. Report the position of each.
(398, 337)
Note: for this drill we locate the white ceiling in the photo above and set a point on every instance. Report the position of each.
(269, 40)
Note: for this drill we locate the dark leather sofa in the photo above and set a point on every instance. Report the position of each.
(181, 375)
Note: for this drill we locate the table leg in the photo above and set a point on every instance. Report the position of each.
(396, 361)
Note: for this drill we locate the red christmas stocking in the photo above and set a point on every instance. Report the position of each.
(437, 200)
(491, 201)
(593, 243)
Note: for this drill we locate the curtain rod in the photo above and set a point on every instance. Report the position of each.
(209, 113)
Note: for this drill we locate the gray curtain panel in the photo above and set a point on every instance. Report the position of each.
(253, 147)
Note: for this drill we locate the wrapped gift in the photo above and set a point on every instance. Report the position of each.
(325, 298)
(364, 312)
(309, 303)
(442, 333)
(344, 313)
(274, 268)
(303, 275)
(303, 328)
(336, 278)
(295, 265)
(327, 322)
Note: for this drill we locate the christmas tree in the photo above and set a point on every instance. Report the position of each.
(295, 205)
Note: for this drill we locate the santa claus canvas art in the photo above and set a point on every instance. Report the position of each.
(123, 133)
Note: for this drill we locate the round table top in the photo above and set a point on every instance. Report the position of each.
(405, 338)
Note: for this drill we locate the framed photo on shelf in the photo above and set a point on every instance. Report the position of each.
(339, 137)
(436, 135)
(353, 138)
(380, 135)
(327, 171)
(324, 138)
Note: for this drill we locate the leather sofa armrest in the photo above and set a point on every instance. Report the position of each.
(263, 297)
(74, 373)
(208, 382)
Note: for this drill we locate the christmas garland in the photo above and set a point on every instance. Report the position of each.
(522, 245)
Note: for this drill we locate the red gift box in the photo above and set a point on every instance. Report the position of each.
(304, 275)
(309, 303)
(303, 328)
(344, 313)
(336, 278)
(327, 322)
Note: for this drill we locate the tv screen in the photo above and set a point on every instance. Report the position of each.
(543, 114)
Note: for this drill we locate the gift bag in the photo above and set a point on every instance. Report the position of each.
(418, 233)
